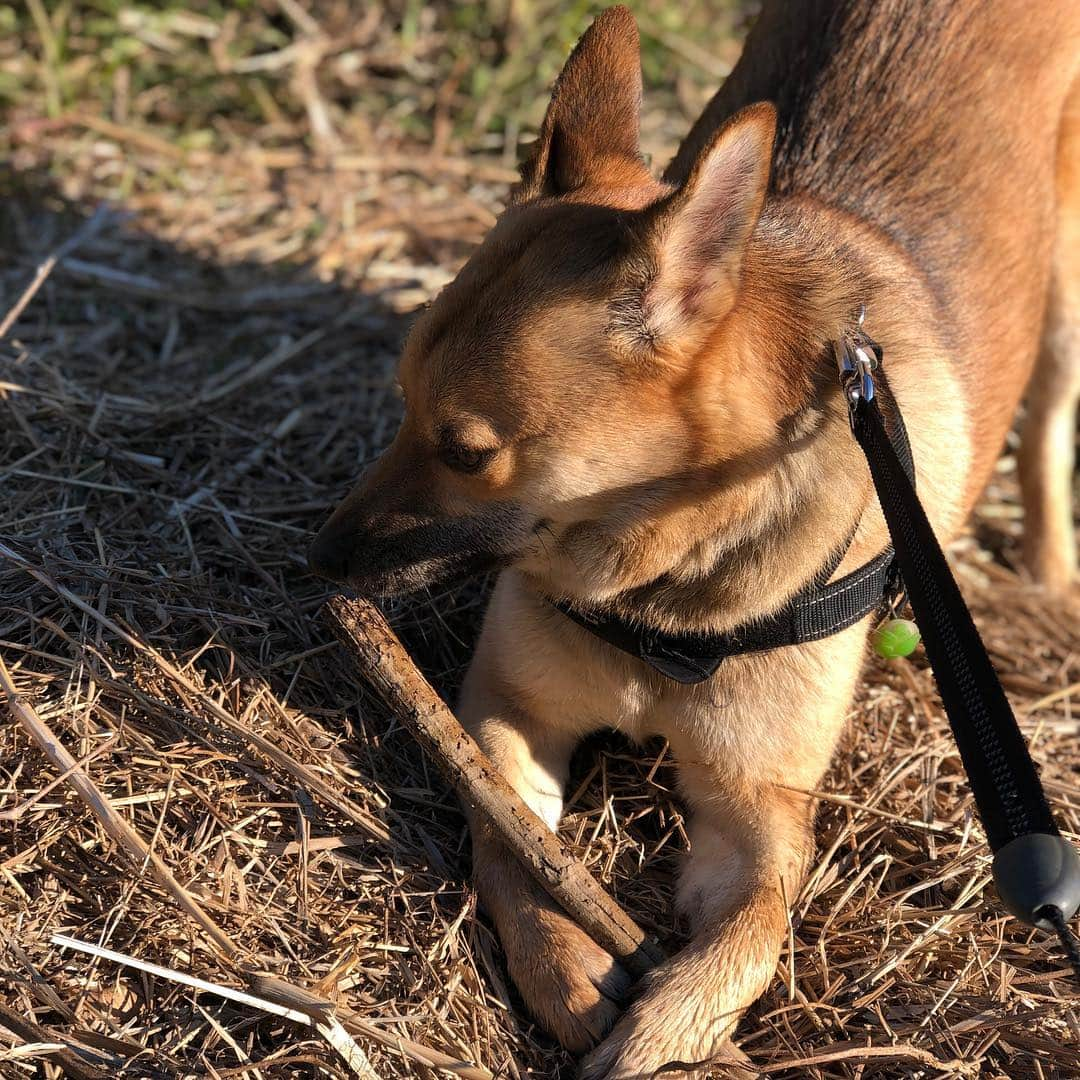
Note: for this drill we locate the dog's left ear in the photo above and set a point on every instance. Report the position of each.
(591, 130)
(696, 237)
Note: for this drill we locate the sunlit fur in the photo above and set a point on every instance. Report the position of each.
(642, 370)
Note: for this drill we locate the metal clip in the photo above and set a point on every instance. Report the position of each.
(857, 357)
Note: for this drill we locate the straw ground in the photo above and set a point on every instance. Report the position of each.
(243, 204)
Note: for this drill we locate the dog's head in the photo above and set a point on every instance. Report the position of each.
(556, 376)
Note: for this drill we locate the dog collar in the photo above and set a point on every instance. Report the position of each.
(691, 658)
(816, 612)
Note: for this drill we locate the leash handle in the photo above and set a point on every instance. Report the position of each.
(1036, 870)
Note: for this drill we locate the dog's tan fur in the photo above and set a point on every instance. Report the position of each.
(627, 398)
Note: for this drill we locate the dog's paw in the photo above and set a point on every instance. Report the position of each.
(629, 1054)
(572, 987)
(672, 1030)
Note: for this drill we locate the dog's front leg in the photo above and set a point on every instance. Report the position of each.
(569, 983)
(743, 770)
(746, 864)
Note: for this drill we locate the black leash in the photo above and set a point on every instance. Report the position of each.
(1037, 871)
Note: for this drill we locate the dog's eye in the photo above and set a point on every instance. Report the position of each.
(465, 459)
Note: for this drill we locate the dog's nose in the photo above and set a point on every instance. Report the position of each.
(328, 557)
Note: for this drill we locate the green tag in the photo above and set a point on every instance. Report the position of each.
(896, 638)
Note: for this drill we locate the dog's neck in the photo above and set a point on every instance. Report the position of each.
(733, 537)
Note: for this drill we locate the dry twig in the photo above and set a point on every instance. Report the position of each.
(323, 1020)
(382, 659)
(91, 226)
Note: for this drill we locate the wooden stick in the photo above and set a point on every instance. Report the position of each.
(383, 661)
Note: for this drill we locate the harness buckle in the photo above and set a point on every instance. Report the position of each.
(679, 667)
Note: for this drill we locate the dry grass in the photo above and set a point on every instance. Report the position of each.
(187, 394)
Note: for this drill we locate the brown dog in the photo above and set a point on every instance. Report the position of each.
(628, 399)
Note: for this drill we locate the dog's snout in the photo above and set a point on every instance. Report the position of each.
(328, 556)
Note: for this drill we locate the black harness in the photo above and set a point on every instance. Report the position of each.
(1037, 871)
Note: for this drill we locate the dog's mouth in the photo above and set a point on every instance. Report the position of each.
(440, 572)
(435, 553)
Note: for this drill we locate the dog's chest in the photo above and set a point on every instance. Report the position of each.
(758, 714)
(572, 680)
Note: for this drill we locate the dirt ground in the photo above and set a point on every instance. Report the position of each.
(243, 205)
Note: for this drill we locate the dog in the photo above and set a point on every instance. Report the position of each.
(627, 402)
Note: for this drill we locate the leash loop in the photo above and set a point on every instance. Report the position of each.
(858, 357)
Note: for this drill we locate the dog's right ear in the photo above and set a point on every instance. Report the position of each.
(591, 130)
(684, 276)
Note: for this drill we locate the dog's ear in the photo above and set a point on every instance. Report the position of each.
(592, 126)
(695, 238)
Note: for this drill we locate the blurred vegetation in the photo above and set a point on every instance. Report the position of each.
(367, 142)
(336, 73)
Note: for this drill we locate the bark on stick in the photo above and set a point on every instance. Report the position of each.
(383, 661)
